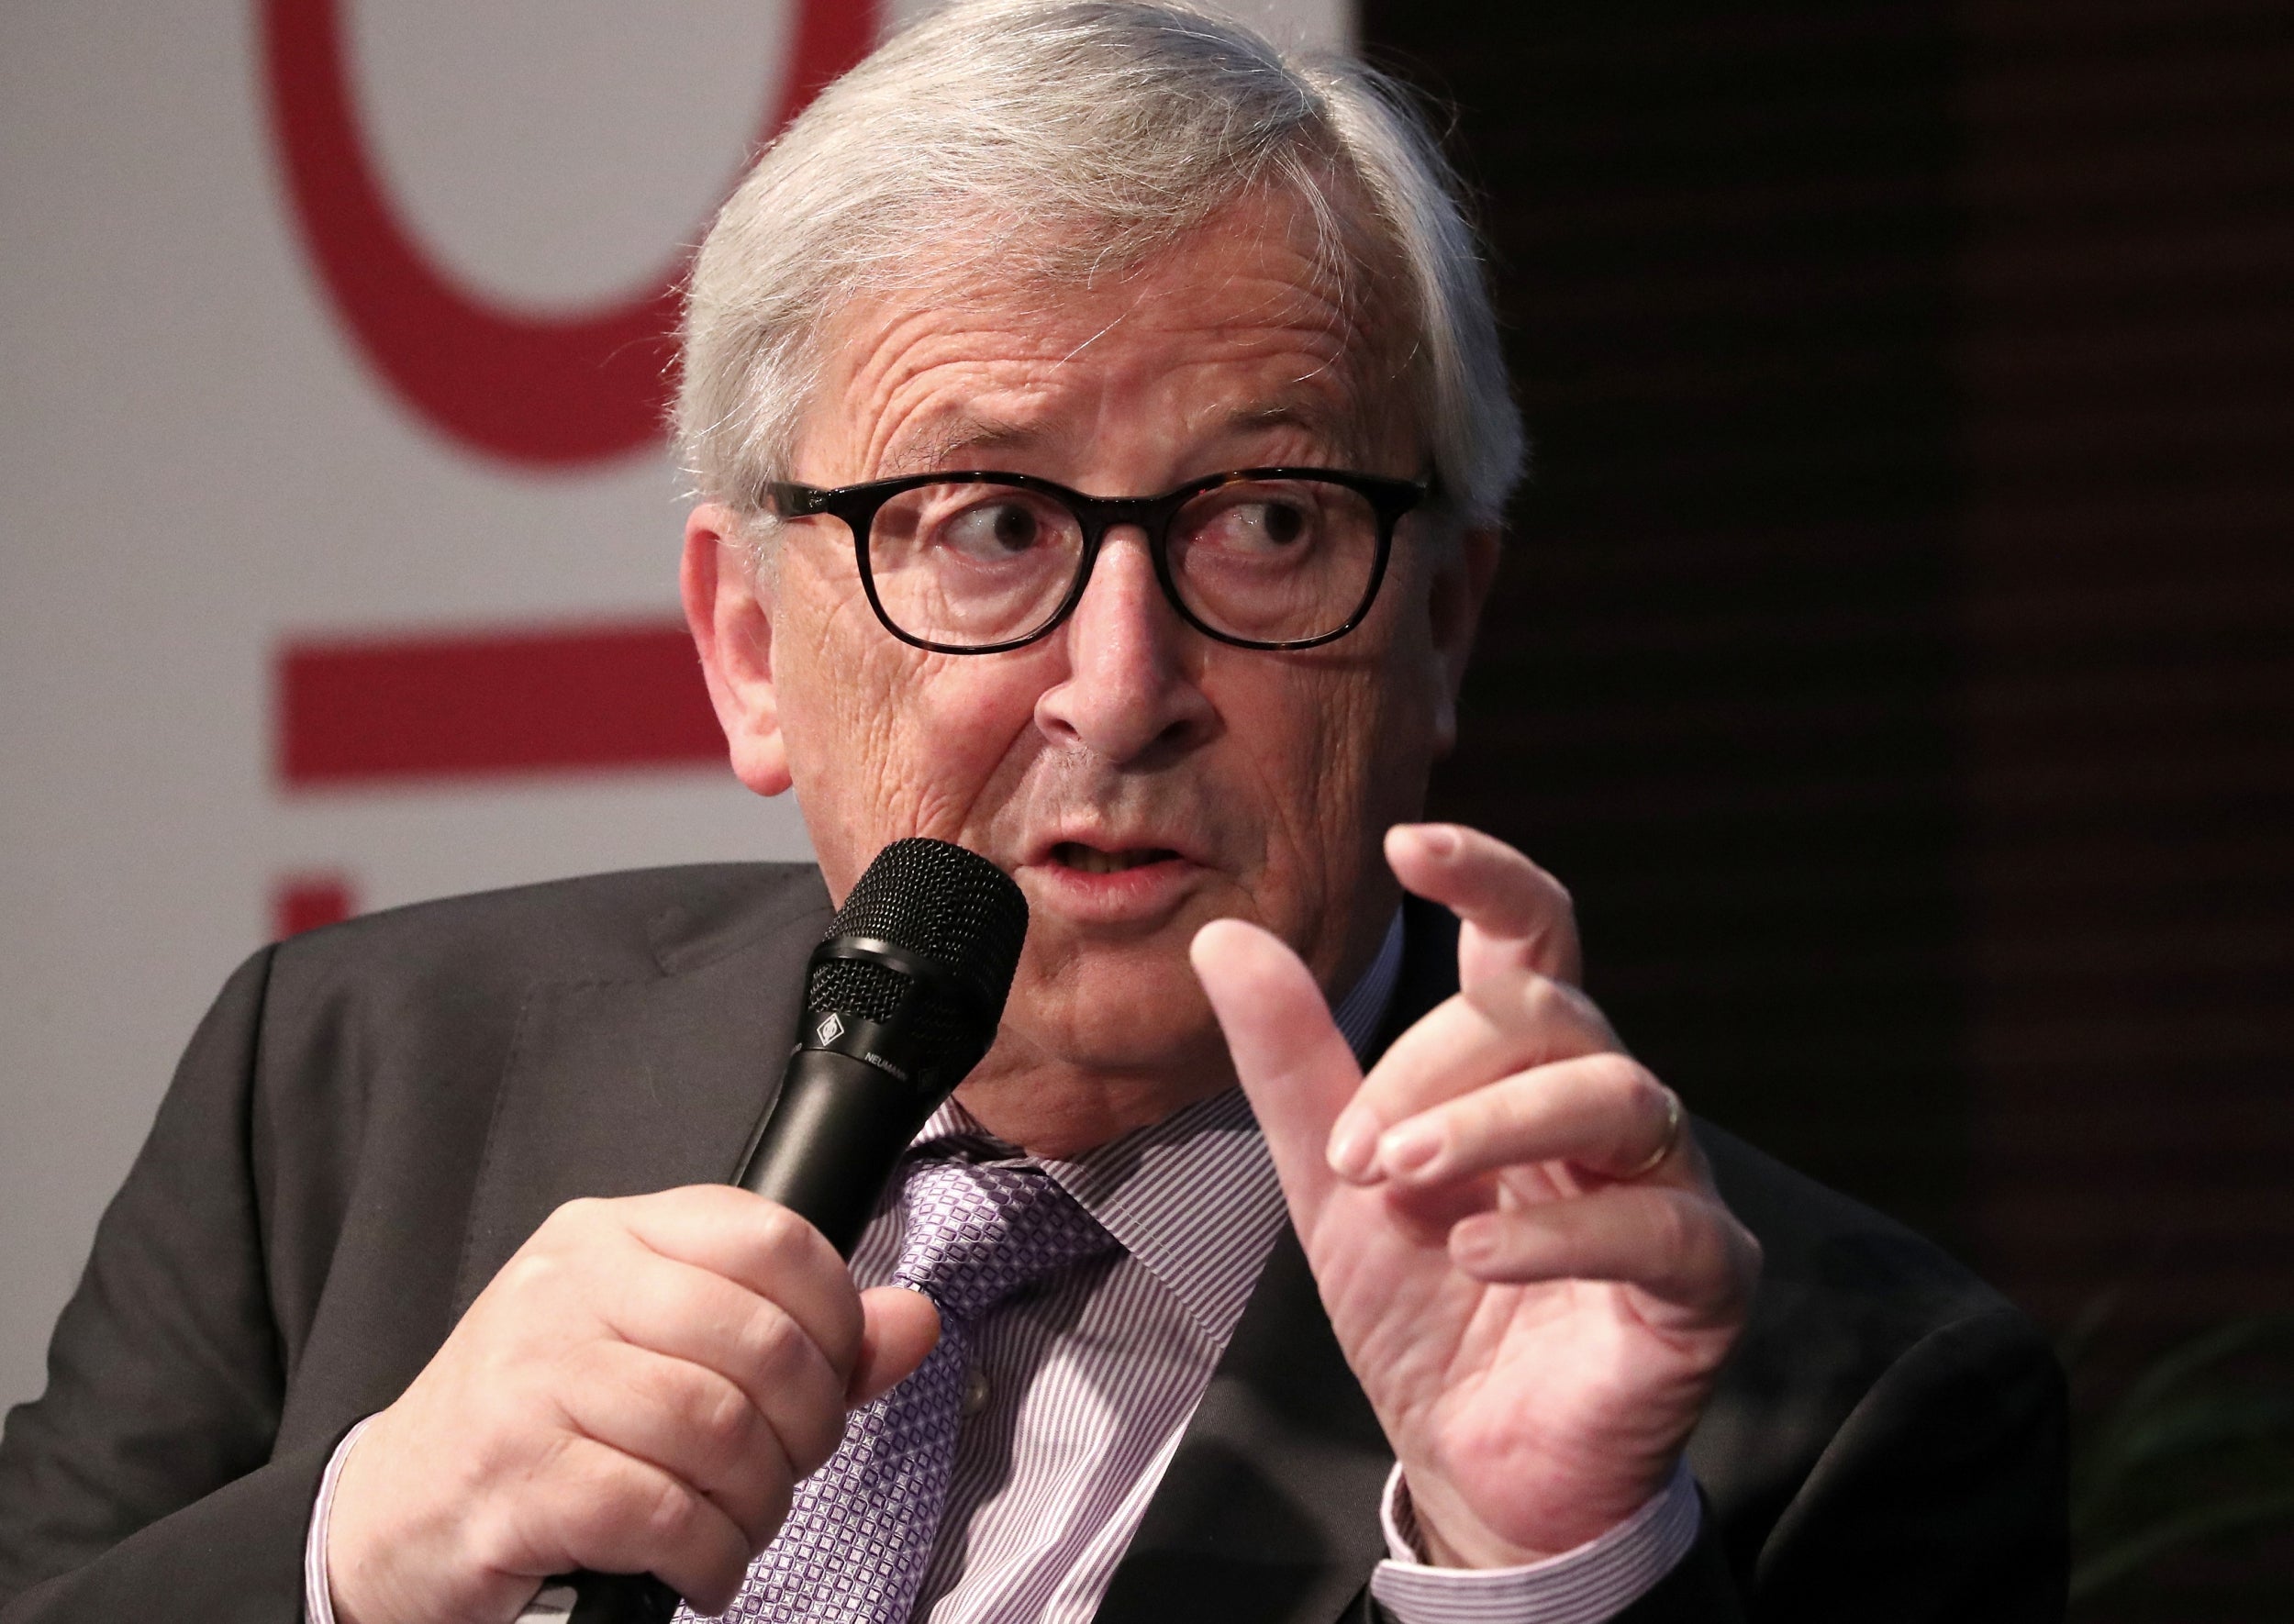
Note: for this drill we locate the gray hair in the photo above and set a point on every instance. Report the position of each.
(1057, 140)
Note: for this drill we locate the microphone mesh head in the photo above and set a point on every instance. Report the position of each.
(936, 901)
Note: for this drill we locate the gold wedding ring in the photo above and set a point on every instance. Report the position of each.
(1665, 1146)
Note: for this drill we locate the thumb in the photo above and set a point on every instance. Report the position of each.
(898, 1327)
(1288, 1054)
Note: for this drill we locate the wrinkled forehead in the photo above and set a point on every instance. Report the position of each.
(1257, 320)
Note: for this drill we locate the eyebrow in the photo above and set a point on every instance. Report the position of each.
(1341, 431)
(971, 439)
(933, 447)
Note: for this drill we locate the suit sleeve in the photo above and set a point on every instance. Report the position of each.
(1942, 1497)
(142, 1481)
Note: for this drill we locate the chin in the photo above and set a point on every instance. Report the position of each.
(1117, 1012)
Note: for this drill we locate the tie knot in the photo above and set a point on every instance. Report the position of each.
(976, 1233)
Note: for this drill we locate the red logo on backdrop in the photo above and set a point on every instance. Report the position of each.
(532, 390)
(535, 389)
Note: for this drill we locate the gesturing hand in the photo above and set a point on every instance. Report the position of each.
(639, 1390)
(1516, 1237)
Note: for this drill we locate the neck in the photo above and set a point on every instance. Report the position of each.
(1057, 1108)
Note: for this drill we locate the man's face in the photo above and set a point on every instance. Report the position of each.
(1136, 778)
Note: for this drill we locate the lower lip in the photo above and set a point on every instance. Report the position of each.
(1129, 896)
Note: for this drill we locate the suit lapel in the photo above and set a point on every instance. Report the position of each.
(1269, 1512)
(622, 1087)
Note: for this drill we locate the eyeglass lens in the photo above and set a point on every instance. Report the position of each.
(1267, 560)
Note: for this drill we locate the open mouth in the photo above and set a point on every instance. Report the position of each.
(1090, 860)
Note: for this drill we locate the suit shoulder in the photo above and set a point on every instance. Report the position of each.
(629, 925)
(412, 1014)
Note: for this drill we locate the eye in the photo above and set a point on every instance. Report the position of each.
(1265, 525)
(1000, 529)
(1280, 522)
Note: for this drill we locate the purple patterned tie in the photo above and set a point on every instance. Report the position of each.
(859, 1533)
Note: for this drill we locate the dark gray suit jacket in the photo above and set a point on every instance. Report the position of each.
(372, 1118)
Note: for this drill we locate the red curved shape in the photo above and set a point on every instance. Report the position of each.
(546, 391)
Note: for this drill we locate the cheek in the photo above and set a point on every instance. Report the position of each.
(886, 741)
(1342, 750)
(1311, 758)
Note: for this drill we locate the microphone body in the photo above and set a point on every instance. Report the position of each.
(834, 1116)
(902, 998)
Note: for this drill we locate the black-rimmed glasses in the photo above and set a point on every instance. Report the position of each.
(978, 562)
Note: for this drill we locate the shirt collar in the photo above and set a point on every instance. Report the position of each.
(1194, 1197)
(1362, 1009)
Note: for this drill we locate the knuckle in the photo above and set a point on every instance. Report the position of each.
(606, 1497)
(1673, 1230)
(663, 1511)
(596, 1379)
(1543, 1001)
(783, 1247)
(583, 1214)
(1512, 1108)
(721, 1416)
(1639, 1089)
(772, 1343)
(574, 1231)
(679, 1205)
(778, 1233)
(1608, 1083)
(1725, 1260)
(1617, 1072)
(666, 1386)
(535, 1272)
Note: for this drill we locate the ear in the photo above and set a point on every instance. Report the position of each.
(731, 614)
(1460, 587)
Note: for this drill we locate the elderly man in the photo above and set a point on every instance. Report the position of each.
(1101, 443)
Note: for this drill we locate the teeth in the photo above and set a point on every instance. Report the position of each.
(1092, 861)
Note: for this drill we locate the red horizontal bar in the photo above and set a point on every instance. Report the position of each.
(306, 902)
(568, 699)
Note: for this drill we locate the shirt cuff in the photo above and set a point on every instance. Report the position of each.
(1597, 1580)
(318, 1602)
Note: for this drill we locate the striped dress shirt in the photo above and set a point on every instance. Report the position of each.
(1079, 1393)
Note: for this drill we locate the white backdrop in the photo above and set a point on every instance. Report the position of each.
(197, 466)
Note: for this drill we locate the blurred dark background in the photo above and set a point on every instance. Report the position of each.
(1896, 650)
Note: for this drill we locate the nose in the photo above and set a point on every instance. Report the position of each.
(1131, 690)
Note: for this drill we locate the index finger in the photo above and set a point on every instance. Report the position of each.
(1516, 915)
(1294, 1065)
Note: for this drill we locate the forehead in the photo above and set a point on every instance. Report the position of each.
(1240, 332)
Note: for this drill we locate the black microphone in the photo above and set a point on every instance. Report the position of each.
(902, 998)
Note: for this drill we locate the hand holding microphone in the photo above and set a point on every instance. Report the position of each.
(643, 1384)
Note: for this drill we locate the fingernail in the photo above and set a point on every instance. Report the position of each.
(1410, 1149)
(1438, 839)
(1474, 1242)
(1353, 1143)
